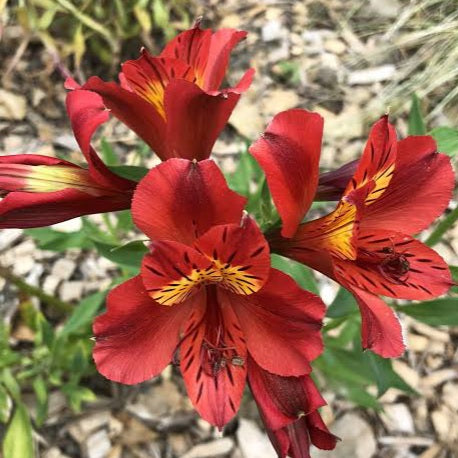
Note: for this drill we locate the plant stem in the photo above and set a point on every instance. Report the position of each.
(52, 301)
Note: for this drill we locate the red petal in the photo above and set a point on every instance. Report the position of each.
(195, 118)
(136, 337)
(378, 160)
(138, 114)
(242, 254)
(289, 153)
(419, 192)
(173, 272)
(87, 112)
(418, 272)
(281, 324)
(292, 440)
(26, 209)
(331, 185)
(282, 400)
(148, 77)
(213, 360)
(180, 200)
(319, 433)
(380, 328)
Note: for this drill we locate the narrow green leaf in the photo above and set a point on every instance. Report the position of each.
(52, 240)
(11, 384)
(343, 305)
(18, 441)
(454, 271)
(130, 172)
(128, 255)
(76, 395)
(41, 395)
(385, 376)
(5, 405)
(436, 312)
(416, 122)
(442, 228)
(447, 140)
(83, 314)
(301, 274)
(108, 154)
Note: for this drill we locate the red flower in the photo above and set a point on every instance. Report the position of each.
(289, 409)
(366, 243)
(42, 190)
(173, 101)
(207, 290)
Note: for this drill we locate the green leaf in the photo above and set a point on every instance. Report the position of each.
(443, 226)
(128, 255)
(301, 274)
(76, 395)
(447, 140)
(436, 312)
(416, 122)
(18, 441)
(343, 305)
(52, 240)
(130, 172)
(385, 376)
(246, 173)
(11, 384)
(83, 314)
(5, 405)
(41, 395)
(108, 154)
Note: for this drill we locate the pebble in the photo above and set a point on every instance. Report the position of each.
(213, 449)
(12, 106)
(397, 418)
(9, 237)
(272, 30)
(372, 75)
(71, 290)
(63, 268)
(253, 443)
(50, 284)
(335, 46)
(97, 445)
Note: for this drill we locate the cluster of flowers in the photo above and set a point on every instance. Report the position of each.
(206, 296)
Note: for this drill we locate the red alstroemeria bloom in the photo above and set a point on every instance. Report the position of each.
(366, 243)
(206, 290)
(173, 101)
(42, 190)
(289, 409)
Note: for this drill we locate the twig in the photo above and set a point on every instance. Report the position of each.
(52, 301)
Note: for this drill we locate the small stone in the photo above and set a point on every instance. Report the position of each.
(335, 46)
(7, 238)
(397, 418)
(71, 225)
(372, 75)
(179, 443)
(358, 439)
(439, 377)
(63, 268)
(214, 449)
(386, 9)
(71, 291)
(445, 423)
(253, 443)
(97, 445)
(450, 395)
(417, 343)
(272, 30)
(247, 119)
(12, 106)
(407, 373)
(279, 100)
(50, 284)
(23, 265)
(54, 452)
(346, 125)
(67, 141)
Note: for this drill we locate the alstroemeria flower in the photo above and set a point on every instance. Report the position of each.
(206, 290)
(173, 101)
(42, 190)
(289, 410)
(366, 243)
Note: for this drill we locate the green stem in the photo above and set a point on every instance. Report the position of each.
(52, 301)
(110, 226)
(442, 228)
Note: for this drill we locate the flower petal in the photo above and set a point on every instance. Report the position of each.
(87, 112)
(136, 338)
(213, 360)
(135, 112)
(377, 162)
(282, 400)
(29, 209)
(380, 328)
(281, 324)
(180, 200)
(289, 154)
(240, 252)
(331, 185)
(419, 192)
(195, 118)
(395, 265)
